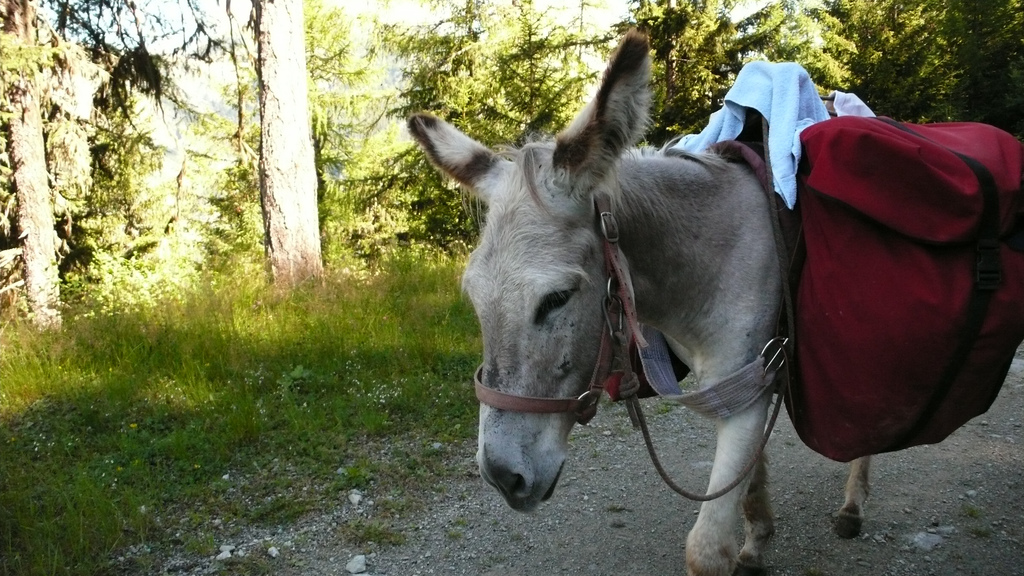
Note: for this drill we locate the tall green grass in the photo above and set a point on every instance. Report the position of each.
(121, 424)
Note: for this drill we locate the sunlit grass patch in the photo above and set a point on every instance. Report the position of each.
(114, 428)
(362, 532)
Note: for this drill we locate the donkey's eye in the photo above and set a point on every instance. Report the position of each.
(550, 303)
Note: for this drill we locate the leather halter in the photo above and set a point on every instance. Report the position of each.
(620, 314)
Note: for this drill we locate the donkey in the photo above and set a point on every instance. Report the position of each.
(696, 234)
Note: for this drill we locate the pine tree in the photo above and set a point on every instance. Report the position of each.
(27, 154)
(287, 170)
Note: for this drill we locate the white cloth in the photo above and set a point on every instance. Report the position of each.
(847, 104)
(785, 95)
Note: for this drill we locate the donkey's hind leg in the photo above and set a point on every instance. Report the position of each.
(759, 525)
(850, 517)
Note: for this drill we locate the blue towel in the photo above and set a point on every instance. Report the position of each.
(785, 95)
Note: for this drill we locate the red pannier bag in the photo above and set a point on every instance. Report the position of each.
(910, 303)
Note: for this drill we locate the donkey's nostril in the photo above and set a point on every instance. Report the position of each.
(508, 482)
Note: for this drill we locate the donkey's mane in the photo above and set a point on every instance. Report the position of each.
(526, 159)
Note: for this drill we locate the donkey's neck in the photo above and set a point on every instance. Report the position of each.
(698, 239)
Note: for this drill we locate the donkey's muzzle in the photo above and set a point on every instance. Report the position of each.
(521, 487)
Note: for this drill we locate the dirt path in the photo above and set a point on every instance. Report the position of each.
(611, 515)
(955, 509)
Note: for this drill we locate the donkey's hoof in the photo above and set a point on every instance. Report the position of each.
(848, 525)
(748, 570)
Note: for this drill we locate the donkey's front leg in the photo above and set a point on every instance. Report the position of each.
(711, 545)
(851, 517)
(758, 521)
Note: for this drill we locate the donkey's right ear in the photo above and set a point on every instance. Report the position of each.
(457, 155)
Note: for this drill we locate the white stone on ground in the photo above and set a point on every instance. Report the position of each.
(357, 565)
(925, 541)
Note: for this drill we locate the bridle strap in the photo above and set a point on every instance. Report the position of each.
(583, 406)
(620, 313)
(531, 404)
(615, 266)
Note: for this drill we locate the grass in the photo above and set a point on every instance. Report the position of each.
(970, 511)
(362, 532)
(119, 430)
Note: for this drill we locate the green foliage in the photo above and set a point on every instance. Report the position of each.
(120, 37)
(930, 61)
(352, 134)
(695, 57)
(504, 73)
(986, 40)
(118, 430)
(219, 171)
(131, 238)
(789, 31)
(899, 61)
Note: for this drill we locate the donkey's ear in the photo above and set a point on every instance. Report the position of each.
(614, 120)
(457, 155)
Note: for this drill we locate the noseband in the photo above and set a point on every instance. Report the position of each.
(620, 316)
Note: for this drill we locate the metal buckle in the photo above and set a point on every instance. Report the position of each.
(587, 405)
(777, 348)
(609, 227)
(609, 301)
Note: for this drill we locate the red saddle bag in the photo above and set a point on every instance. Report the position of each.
(910, 302)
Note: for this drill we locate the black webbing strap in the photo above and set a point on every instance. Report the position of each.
(987, 278)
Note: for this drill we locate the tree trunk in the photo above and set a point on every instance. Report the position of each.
(31, 184)
(287, 171)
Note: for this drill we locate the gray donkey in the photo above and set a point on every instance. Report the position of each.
(696, 236)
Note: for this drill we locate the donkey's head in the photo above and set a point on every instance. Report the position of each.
(537, 277)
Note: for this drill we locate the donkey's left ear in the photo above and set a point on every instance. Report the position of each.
(457, 155)
(613, 121)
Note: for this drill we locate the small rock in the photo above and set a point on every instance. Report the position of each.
(925, 541)
(224, 555)
(972, 493)
(273, 552)
(226, 477)
(355, 497)
(227, 548)
(357, 565)
(436, 445)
